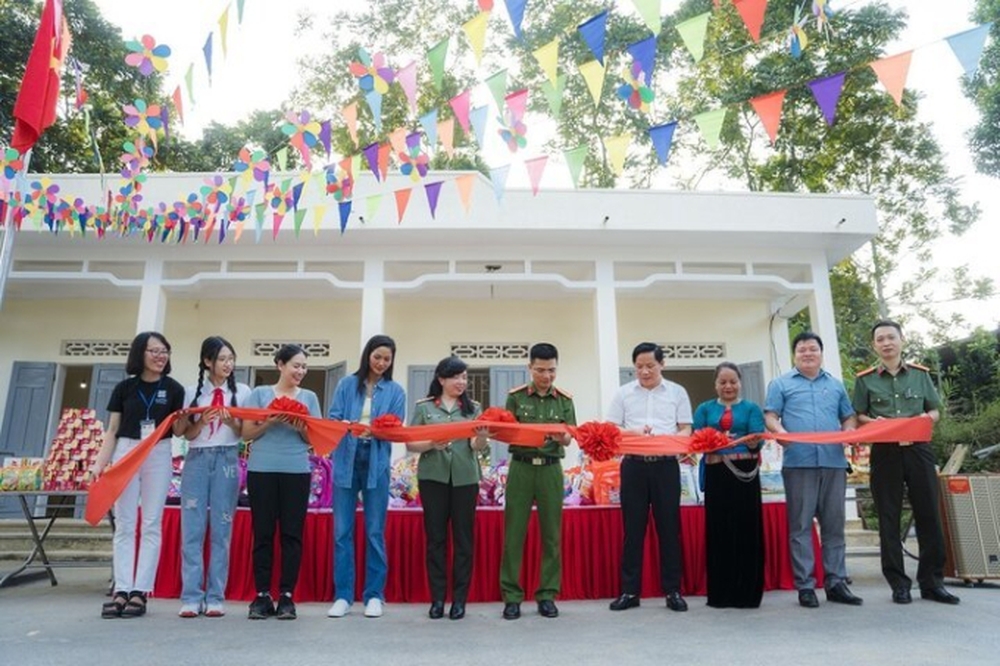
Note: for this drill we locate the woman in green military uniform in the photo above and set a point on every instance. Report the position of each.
(448, 474)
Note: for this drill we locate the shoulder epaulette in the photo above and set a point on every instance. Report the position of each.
(867, 371)
(518, 388)
(918, 366)
(562, 392)
(427, 399)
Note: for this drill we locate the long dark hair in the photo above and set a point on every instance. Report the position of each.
(364, 366)
(210, 348)
(449, 367)
(136, 361)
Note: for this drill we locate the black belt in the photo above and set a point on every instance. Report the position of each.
(537, 461)
(630, 456)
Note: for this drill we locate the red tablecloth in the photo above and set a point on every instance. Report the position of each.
(591, 545)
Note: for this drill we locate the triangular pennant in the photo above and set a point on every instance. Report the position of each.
(768, 108)
(436, 57)
(239, 11)
(282, 157)
(710, 125)
(752, 13)
(593, 31)
(276, 220)
(319, 212)
(593, 74)
(891, 73)
(968, 47)
(827, 93)
(402, 201)
(350, 114)
(515, 9)
(644, 52)
(475, 31)
(384, 152)
(574, 160)
(460, 105)
(297, 194)
(374, 100)
(189, 82)
(429, 122)
(371, 157)
(223, 31)
(499, 178)
(554, 95)
(372, 204)
(397, 139)
(464, 184)
(325, 130)
(663, 136)
(446, 132)
(692, 32)
(344, 207)
(207, 50)
(548, 59)
(517, 103)
(259, 217)
(300, 216)
(617, 148)
(497, 83)
(649, 10)
(433, 191)
(407, 78)
(478, 117)
(536, 167)
(178, 103)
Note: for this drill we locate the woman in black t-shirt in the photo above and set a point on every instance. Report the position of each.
(137, 407)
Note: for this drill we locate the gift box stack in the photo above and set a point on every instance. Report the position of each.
(77, 442)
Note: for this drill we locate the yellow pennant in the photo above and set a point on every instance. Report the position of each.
(617, 146)
(548, 59)
(593, 74)
(319, 210)
(475, 30)
(224, 29)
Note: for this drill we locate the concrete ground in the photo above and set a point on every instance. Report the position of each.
(41, 624)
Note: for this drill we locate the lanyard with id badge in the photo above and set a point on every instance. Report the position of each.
(148, 425)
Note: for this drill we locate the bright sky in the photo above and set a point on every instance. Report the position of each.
(260, 71)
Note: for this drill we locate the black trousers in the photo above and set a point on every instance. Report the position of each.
(282, 499)
(443, 504)
(892, 467)
(658, 485)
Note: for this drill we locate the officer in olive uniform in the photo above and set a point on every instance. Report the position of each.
(896, 389)
(536, 476)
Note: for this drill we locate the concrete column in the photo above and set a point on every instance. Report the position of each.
(821, 315)
(152, 299)
(606, 327)
(373, 300)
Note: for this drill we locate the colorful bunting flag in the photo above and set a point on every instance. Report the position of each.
(446, 131)
(325, 136)
(374, 100)
(536, 167)
(710, 124)
(649, 10)
(300, 216)
(517, 103)
(593, 75)
(429, 122)
(574, 160)
(752, 13)
(891, 73)
(407, 78)
(460, 105)
(692, 32)
(548, 59)
(402, 201)
(968, 47)
(663, 136)
(319, 212)
(644, 53)
(515, 9)
(344, 208)
(384, 152)
(239, 11)
(223, 31)
(433, 191)
(207, 50)
(478, 117)
(498, 176)
(178, 103)
(397, 139)
(554, 95)
(497, 83)
(464, 185)
(436, 57)
(617, 147)
(475, 31)
(372, 204)
(350, 114)
(768, 108)
(282, 157)
(827, 93)
(371, 157)
(593, 31)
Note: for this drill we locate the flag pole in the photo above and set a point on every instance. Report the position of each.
(7, 248)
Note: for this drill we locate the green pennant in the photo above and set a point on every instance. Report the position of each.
(649, 10)
(498, 88)
(574, 159)
(300, 215)
(355, 165)
(239, 11)
(372, 204)
(282, 157)
(435, 57)
(258, 212)
(692, 31)
(189, 83)
(554, 94)
(710, 124)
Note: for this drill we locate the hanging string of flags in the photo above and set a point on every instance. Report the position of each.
(220, 203)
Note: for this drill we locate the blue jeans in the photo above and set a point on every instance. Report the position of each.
(376, 504)
(210, 480)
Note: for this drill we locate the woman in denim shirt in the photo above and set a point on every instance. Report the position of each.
(361, 465)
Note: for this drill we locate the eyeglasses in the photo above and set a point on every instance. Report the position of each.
(158, 352)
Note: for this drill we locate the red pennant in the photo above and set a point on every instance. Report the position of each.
(891, 73)
(752, 13)
(768, 107)
(402, 201)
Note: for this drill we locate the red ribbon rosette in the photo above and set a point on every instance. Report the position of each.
(289, 405)
(599, 439)
(497, 415)
(707, 440)
(386, 421)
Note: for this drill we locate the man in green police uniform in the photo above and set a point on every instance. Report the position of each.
(896, 389)
(536, 476)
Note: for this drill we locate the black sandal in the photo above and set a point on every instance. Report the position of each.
(136, 606)
(115, 607)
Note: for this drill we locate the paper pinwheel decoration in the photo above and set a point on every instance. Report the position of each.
(254, 164)
(339, 183)
(414, 162)
(135, 157)
(372, 73)
(512, 131)
(239, 211)
(280, 202)
(146, 55)
(10, 163)
(302, 132)
(144, 118)
(823, 13)
(797, 38)
(635, 91)
(215, 192)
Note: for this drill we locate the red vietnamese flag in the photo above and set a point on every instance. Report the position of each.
(35, 108)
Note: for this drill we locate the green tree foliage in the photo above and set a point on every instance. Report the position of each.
(984, 91)
(219, 145)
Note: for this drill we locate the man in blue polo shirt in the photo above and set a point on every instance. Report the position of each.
(809, 399)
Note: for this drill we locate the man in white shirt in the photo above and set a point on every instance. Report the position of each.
(651, 405)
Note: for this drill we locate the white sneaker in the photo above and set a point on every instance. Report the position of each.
(215, 610)
(340, 608)
(373, 608)
(190, 610)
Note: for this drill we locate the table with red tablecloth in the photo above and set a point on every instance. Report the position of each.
(591, 550)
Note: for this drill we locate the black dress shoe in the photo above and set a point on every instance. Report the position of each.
(624, 602)
(675, 602)
(901, 595)
(547, 608)
(841, 594)
(457, 611)
(940, 595)
(437, 610)
(511, 611)
(807, 599)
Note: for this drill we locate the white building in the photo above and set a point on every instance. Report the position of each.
(711, 276)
